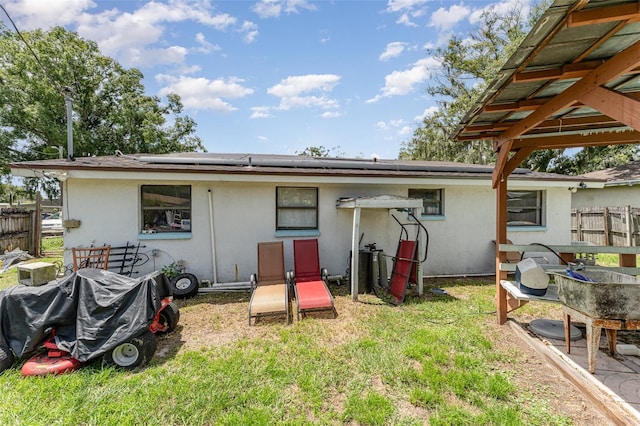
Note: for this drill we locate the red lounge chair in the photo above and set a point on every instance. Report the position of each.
(270, 290)
(312, 293)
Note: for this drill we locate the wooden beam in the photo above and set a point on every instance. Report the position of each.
(501, 161)
(621, 63)
(577, 140)
(526, 105)
(615, 105)
(501, 257)
(516, 159)
(555, 124)
(480, 136)
(564, 72)
(599, 15)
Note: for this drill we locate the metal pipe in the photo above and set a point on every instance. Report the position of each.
(67, 98)
(213, 239)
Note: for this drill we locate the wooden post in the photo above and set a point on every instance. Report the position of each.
(501, 238)
(37, 227)
(628, 228)
(607, 229)
(580, 233)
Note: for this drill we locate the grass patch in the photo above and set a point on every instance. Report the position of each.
(430, 361)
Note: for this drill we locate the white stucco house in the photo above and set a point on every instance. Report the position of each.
(621, 188)
(211, 210)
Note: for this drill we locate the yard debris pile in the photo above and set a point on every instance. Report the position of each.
(13, 258)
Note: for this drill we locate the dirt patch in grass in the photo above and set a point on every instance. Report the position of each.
(213, 320)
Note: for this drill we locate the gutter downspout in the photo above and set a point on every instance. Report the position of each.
(213, 239)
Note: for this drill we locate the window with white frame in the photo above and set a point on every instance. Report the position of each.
(296, 208)
(432, 200)
(166, 208)
(524, 208)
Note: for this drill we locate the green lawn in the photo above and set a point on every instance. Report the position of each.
(432, 360)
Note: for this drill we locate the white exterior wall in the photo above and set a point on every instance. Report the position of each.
(244, 214)
(610, 196)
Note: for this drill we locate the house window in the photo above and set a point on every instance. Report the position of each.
(524, 208)
(296, 208)
(432, 200)
(166, 208)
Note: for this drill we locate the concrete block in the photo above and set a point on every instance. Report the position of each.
(36, 273)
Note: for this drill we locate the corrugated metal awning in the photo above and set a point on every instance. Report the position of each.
(573, 82)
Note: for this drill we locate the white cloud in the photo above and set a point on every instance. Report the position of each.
(405, 130)
(427, 113)
(402, 5)
(31, 14)
(331, 114)
(250, 31)
(134, 38)
(400, 127)
(405, 20)
(205, 46)
(306, 91)
(261, 112)
(274, 8)
(202, 93)
(295, 85)
(322, 102)
(393, 50)
(400, 83)
(502, 8)
(446, 19)
(407, 9)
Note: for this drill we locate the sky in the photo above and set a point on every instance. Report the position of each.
(277, 76)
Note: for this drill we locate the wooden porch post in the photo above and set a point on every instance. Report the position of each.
(501, 238)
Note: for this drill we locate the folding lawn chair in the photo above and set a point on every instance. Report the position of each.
(91, 257)
(269, 288)
(312, 293)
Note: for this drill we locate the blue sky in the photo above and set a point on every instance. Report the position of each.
(277, 76)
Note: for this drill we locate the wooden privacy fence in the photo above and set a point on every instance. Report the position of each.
(16, 229)
(606, 226)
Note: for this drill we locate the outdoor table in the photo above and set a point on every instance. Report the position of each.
(594, 330)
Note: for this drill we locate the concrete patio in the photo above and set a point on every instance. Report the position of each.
(615, 385)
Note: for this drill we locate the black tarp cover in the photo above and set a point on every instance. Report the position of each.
(91, 311)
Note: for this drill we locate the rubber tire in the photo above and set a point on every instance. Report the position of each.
(6, 358)
(169, 316)
(135, 352)
(184, 286)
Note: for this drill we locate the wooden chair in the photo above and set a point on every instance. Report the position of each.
(91, 257)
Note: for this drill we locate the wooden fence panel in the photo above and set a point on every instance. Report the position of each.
(15, 229)
(606, 226)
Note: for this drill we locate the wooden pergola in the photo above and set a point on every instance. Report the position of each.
(573, 82)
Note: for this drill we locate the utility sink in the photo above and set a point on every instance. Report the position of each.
(612, 295)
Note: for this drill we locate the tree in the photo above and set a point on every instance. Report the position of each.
(110, 110)
(320, 152)
(467, 67)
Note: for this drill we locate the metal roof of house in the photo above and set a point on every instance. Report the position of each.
(573, 82)
(260, 164)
